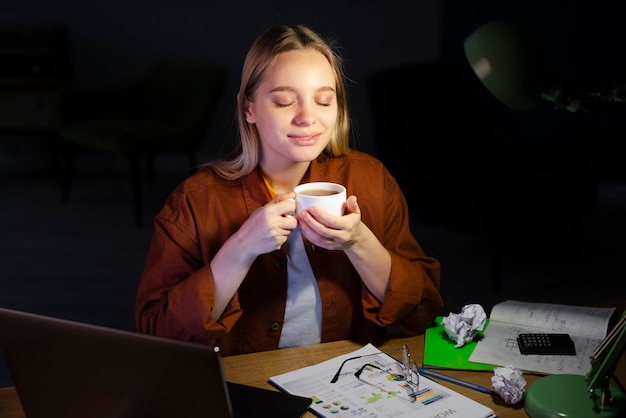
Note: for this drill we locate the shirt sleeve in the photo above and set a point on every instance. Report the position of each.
(176, 293)
(413, 299)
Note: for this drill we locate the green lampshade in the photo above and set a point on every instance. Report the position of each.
(509, 62)
(566, 396)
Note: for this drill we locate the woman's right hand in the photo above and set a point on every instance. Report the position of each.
(268, 228)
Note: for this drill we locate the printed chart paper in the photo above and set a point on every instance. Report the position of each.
(376, 393)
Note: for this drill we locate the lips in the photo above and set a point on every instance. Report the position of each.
(305, 139)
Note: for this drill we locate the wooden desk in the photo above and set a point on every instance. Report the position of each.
(256, 368)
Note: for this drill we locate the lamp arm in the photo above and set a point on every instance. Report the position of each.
(606, 356)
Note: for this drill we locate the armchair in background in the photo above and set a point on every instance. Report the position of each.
(170, 110)
(432, 134)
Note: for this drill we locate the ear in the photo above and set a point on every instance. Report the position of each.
(247, 110)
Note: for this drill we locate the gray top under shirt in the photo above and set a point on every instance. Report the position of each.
(303, 312)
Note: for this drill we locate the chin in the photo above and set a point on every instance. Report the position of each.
(307, 155)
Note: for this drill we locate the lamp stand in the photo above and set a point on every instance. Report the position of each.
(566, 396)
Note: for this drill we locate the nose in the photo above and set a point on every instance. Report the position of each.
(305, 115)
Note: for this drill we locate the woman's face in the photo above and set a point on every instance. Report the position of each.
(294, 108)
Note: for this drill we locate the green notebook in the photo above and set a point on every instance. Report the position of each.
(440, 351)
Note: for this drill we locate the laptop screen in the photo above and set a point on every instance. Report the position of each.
(67, 369)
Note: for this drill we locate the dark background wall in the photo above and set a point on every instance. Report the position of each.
(112, 40)
(116, 39)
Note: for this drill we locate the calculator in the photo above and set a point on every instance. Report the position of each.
(540, 343)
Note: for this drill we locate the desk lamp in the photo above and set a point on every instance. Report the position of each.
(511, 63)
(589, 396)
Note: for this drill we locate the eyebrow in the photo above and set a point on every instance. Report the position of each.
(291, 89)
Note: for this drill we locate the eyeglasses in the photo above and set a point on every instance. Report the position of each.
(395, 378)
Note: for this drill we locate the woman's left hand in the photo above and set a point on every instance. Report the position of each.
(369, 257)
(329, 231)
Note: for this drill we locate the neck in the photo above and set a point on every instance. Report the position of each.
(284, 180)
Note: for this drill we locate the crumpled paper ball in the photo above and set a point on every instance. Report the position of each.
(509, 383)
(464, 326)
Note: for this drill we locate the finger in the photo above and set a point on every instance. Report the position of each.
(291, 213)
(352, 206)
(283, 207)
(288, 224)
(321, 220)
(315, 228)
(277, 240)
(287, 196)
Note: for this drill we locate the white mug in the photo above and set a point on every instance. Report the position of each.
(330, 197)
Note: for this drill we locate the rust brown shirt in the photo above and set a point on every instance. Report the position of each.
(176, 292)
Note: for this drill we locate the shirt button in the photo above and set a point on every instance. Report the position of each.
(275, 326)
(279, 263)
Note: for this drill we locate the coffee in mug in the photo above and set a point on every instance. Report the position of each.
(318, 192)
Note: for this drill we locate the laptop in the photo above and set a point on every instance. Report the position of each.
(67, 369)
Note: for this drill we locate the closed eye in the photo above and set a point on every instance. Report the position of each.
(325, 99)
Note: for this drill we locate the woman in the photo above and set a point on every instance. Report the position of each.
(228, 267)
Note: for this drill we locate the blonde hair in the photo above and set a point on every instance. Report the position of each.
(262, 54)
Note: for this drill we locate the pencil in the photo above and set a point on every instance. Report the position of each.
(430, 373)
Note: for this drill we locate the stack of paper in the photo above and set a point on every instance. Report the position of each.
(586, 325)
